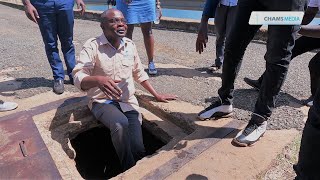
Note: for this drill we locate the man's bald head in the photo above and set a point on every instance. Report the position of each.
(109, 14)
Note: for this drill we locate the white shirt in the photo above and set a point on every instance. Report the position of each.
(229, 2)
(314, 3)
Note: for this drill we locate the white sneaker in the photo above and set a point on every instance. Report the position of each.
(215, 110)
(152, 69)
(250, 134)
(7, 106)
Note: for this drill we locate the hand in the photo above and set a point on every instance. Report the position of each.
(32, 13)
(112, 2)
(165, 97)
(202, 38)
(81, 6)
(109, 87)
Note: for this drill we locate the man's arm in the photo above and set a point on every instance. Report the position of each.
(210, 8)
(208, 12)
(31, 11)
(309, 15)
(310, 31)
(159, 97)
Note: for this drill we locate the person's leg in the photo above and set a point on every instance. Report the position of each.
(48, 28)
(220, 28)
(114, 119)
(240, 36)
(130, 31)
(135, 132)
(314, 68)
(148, 38)
(65, 22)
(302, 45)
(309, 157)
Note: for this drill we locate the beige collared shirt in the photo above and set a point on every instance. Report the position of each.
(99, 58)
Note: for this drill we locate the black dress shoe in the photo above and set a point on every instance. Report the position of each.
(253, 83)
(58, 86)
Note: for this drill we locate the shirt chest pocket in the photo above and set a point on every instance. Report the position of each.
(127, 65)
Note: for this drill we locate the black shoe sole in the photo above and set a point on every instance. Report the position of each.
(218, 115)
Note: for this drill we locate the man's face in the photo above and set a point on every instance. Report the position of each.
(114, 25)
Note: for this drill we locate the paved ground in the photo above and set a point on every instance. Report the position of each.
(23, 59)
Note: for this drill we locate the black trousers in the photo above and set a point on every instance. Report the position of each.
(309, 156)
(303, 45)
(280, 43)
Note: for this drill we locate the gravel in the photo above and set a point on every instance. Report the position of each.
(21, 46)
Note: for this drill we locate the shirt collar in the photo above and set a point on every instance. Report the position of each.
(104, 41)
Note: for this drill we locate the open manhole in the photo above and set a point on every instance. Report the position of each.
(96, 157)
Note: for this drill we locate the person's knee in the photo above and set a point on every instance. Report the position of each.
(146, 30)
(119, 126)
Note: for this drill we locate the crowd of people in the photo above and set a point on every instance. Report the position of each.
(109, 64)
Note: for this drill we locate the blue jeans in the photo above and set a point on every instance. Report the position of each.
(125, 130)
(281, 40)
(57, 20)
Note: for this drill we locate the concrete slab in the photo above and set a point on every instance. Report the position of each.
(225, 161)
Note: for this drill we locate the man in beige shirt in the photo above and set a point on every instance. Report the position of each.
(106, 69)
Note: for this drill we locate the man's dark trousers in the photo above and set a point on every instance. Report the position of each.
(309, 155)
(303, 45)
(280, 43)
(57, 20)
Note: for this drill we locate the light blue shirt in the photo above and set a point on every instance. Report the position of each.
(229, 2)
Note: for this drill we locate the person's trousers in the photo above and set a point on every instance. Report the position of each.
(57, 20)
(303, 45)
(223, 21)
(308, 164)
(280, 43)
(125, 130)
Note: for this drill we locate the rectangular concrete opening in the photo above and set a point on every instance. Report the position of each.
(96, 157)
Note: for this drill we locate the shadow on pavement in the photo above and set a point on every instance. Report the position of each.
(245, 99)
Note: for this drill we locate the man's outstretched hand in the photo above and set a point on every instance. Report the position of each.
(165, 97)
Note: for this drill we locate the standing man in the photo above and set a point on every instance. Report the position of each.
(281, 39)
(56, 19)
(223, 20)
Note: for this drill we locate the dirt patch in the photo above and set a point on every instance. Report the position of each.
(282, 167)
